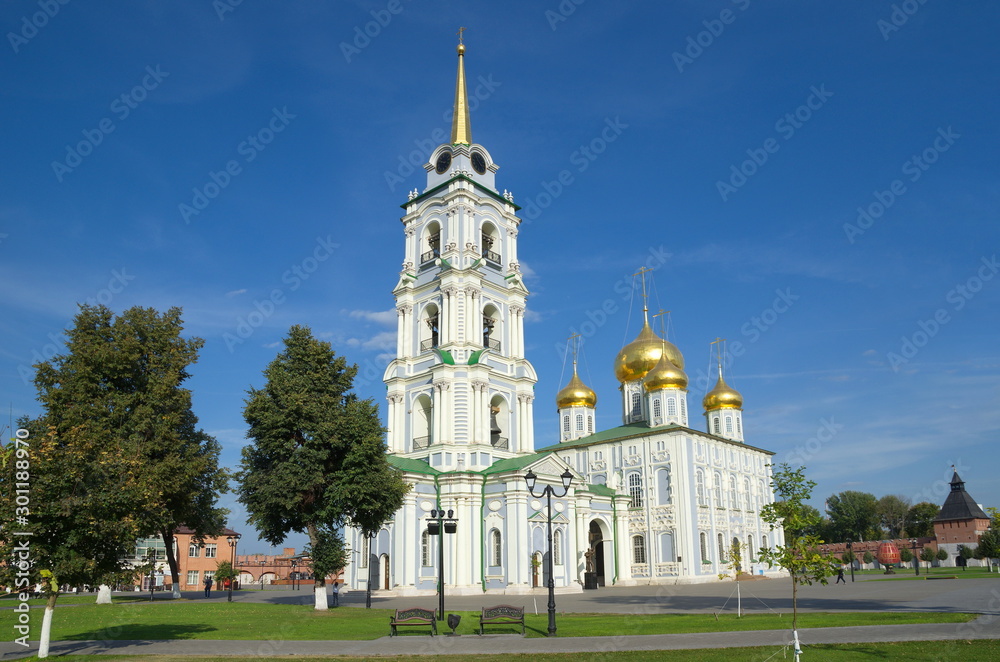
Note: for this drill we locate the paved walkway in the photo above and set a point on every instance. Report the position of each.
(982, 596)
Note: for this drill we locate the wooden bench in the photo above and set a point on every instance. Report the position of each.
(412, 616)
(502, 615)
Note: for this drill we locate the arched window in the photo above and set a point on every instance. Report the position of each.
(671, 407)
(430, 335)
(636, 404)
(733, 503)
(431, 243)
(665, 488)
(703, 539)
(762, 499)
(699, 481)
(717, 488)
(566, 423)
(657, 410)
(590, 424)
(579, 422)
(722, 549)
(763, 542)
(739, 428)
(635, 489)
(715, 425)
(496, 548)
(491, 328)
(425, 549)
(638, 549)
(746, 494)
(684, 407)
(364, 551)
(729, 424)
(491, 246)
(557, 539)
(749, 550)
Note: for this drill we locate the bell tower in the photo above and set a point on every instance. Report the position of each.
(460, 390)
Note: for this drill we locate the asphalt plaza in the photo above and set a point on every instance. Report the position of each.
(758, 596)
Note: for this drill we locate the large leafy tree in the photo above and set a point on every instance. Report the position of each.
(800, 554)
(853, 515)
(317, 461)
(892, 511)
(116, 452)
(920, 519)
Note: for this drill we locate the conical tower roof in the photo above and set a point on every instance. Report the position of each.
(959, 505)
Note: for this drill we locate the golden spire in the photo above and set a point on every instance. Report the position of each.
(461, 128)
(645, 308)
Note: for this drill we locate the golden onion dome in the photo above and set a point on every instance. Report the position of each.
(642, 354)
(576, 394)
(722, 396)
(665, 375)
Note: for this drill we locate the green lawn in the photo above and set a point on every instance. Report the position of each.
(915, 651)
(248, 621)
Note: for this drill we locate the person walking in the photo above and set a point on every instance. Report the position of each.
(336, 594)
(840, 575)
(208, 587)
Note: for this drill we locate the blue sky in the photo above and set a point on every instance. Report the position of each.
(815, 182)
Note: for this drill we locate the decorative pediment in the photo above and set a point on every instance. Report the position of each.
(557, 518)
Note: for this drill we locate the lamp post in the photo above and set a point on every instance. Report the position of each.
(437, 520)
(262, 562)
(850, 544)
(916, 559)
(547, 492)
(295, 574)
(232, 540)
(152, 572)
(368, 588)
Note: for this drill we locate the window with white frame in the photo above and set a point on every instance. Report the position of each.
(722, 549)
(211, 550)
(671, 407)
(566, 424)
(192, 578)
(717, 489)
(579, 422)
(729, 424)
(557, 541)
(703, 540)
(657, 409)
(739, 428)
(684, 407)
(496, 548)
(209, 573)
(194, 551)
(636, 404)
(733, 502)
(715, 425)
(746, 494)
(590, 424)
(699, 482)
(635, 489)
(638, 549)
(425, 549)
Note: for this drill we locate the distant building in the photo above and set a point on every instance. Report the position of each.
(195, 561)
(960, 522)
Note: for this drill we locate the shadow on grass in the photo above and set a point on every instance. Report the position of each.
(139, 632)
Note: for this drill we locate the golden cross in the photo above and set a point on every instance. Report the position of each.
(663, 328)
(642, 274)
(574, 345)
(460, 31)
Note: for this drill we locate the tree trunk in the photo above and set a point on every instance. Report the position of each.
(104, 595)
(795, 604)
(175, 576)
(319, 588)
(46, 634)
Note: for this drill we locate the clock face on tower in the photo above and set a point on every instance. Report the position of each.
(478, 163)
(443, 162)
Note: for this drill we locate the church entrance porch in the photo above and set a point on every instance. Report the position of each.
(595, 554)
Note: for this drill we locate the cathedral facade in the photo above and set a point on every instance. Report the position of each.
(650, 501)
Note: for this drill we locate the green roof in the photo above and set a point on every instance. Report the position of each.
(602, 490)
(412, 465)
(640, 429)
(513, 463)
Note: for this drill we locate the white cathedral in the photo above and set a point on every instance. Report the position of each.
(652, 501)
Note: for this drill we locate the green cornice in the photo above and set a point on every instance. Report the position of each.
(493, 194)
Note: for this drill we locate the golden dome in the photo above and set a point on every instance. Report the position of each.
(576, 394)
(722, 396)
(665, 375)
(642, 354)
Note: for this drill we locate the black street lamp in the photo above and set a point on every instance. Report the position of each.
(916, 559)
(232, 540)
(567, 478)
(434, 525)
(368, 589)
(850, 544)
(152, 571)
(295, 574)
(262, 563)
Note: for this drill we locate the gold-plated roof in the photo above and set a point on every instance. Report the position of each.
(576, 394)
(665, 375)
(722, 396)
(461, 128)
(640, 356)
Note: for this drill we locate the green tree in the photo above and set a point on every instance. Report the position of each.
(224, 570)
(869, 558)
(989, 543)
(317, 461)
(129, 371)
(965, 553)
(905, 555)
(920, 519)
(928, 555)
(892, 512)
(799, 555)
(853, 515)
(116, 453)
(942, 554)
